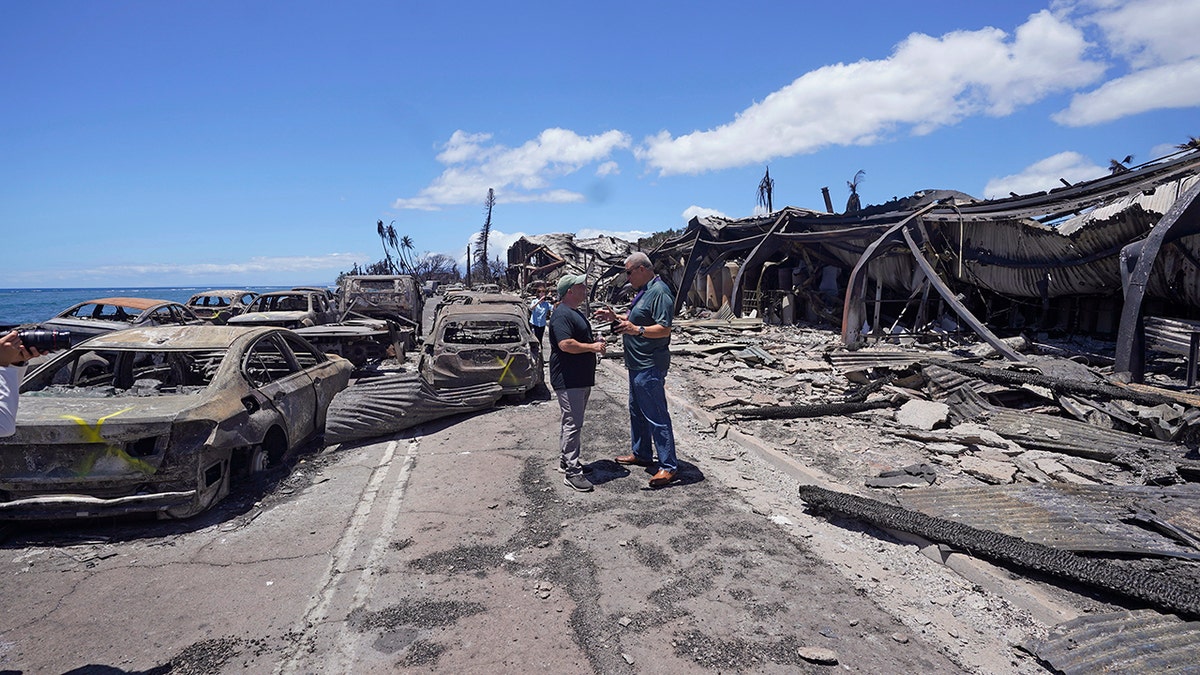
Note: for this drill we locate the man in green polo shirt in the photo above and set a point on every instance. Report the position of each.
(647, 338)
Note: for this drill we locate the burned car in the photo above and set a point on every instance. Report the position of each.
(219, 306)
(288, 309)
(482, 343)
(158, 419)
(104, 315)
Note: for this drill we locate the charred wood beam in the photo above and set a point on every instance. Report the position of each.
(1101, 390)
(1182, 219)
(1157, 590)
(959, 308)
(870, 388)
(787, 412)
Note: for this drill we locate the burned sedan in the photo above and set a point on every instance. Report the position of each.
(480, 344)
(157, 419)
(104, 315)
(288, 309)
(219, 306)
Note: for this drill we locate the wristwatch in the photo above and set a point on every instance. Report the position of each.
(641, 331)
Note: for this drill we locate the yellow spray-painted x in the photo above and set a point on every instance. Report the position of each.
(91, 434)
(504, 373)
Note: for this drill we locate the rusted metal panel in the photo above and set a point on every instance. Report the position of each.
(1140, 641)
(1101, 518)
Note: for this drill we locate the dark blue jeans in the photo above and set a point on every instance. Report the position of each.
(649, 421)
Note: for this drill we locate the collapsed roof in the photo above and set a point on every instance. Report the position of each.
(546, 257)
(1001, 264)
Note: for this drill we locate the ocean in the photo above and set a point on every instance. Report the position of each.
(31, 305)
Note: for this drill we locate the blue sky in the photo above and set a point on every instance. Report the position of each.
(257, 143)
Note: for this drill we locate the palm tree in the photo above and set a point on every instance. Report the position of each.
(766, 186)
(1115, 167)
(406, 249)
(387, 234)
(853, 205)
(1192, 144)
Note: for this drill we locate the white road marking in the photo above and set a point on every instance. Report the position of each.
(317, 611)
(341, 657)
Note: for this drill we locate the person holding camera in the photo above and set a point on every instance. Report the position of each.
(13, 356)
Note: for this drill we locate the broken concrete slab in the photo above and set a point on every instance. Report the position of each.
(922, 414)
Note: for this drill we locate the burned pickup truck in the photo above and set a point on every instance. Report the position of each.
(380, 317)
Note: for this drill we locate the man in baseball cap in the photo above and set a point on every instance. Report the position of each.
(572, 373)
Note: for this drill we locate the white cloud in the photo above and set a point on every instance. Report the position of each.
(1158, 40)
(522, 174)
(694, 211)
(608, 169)
(1151, 32)
(1172, 86)
(926, 83)
(1044, 175)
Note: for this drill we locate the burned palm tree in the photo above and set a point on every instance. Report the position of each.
(387, 236)
(481, 251)
(1192, 144)
(766, 187)
(853, 205)
(1119, 166)
(406, 253)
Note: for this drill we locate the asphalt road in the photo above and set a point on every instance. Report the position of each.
(457, 548)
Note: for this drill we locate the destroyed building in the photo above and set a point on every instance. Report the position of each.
(546, 257)
(1113, 256)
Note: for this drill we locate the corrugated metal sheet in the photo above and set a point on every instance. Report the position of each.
(1142, 641)
(862, 359)
(1046, 432)
(1101, 518)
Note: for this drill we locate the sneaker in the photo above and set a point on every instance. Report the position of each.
(578, 482)
(562, 467)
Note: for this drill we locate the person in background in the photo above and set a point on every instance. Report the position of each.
(539, 312)
(572, 373)
(13, 356)
(647, 338)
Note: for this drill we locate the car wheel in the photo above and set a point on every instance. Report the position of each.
(260, 459)
(274, 446)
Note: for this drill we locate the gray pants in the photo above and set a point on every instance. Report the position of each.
(572, 403)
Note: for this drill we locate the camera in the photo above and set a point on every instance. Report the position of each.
(44, 340)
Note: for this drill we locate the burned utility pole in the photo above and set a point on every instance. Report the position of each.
(482, 251)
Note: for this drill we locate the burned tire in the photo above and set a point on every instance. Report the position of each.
(260, 460)
(273, 447)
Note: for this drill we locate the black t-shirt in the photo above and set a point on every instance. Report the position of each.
(570, 371)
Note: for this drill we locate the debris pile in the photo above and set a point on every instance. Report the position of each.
(1046, 465)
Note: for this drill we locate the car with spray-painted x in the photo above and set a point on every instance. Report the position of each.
(159, 419)
(483, 343)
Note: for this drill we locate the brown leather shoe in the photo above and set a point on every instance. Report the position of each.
(662, 478)
(631, 459)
